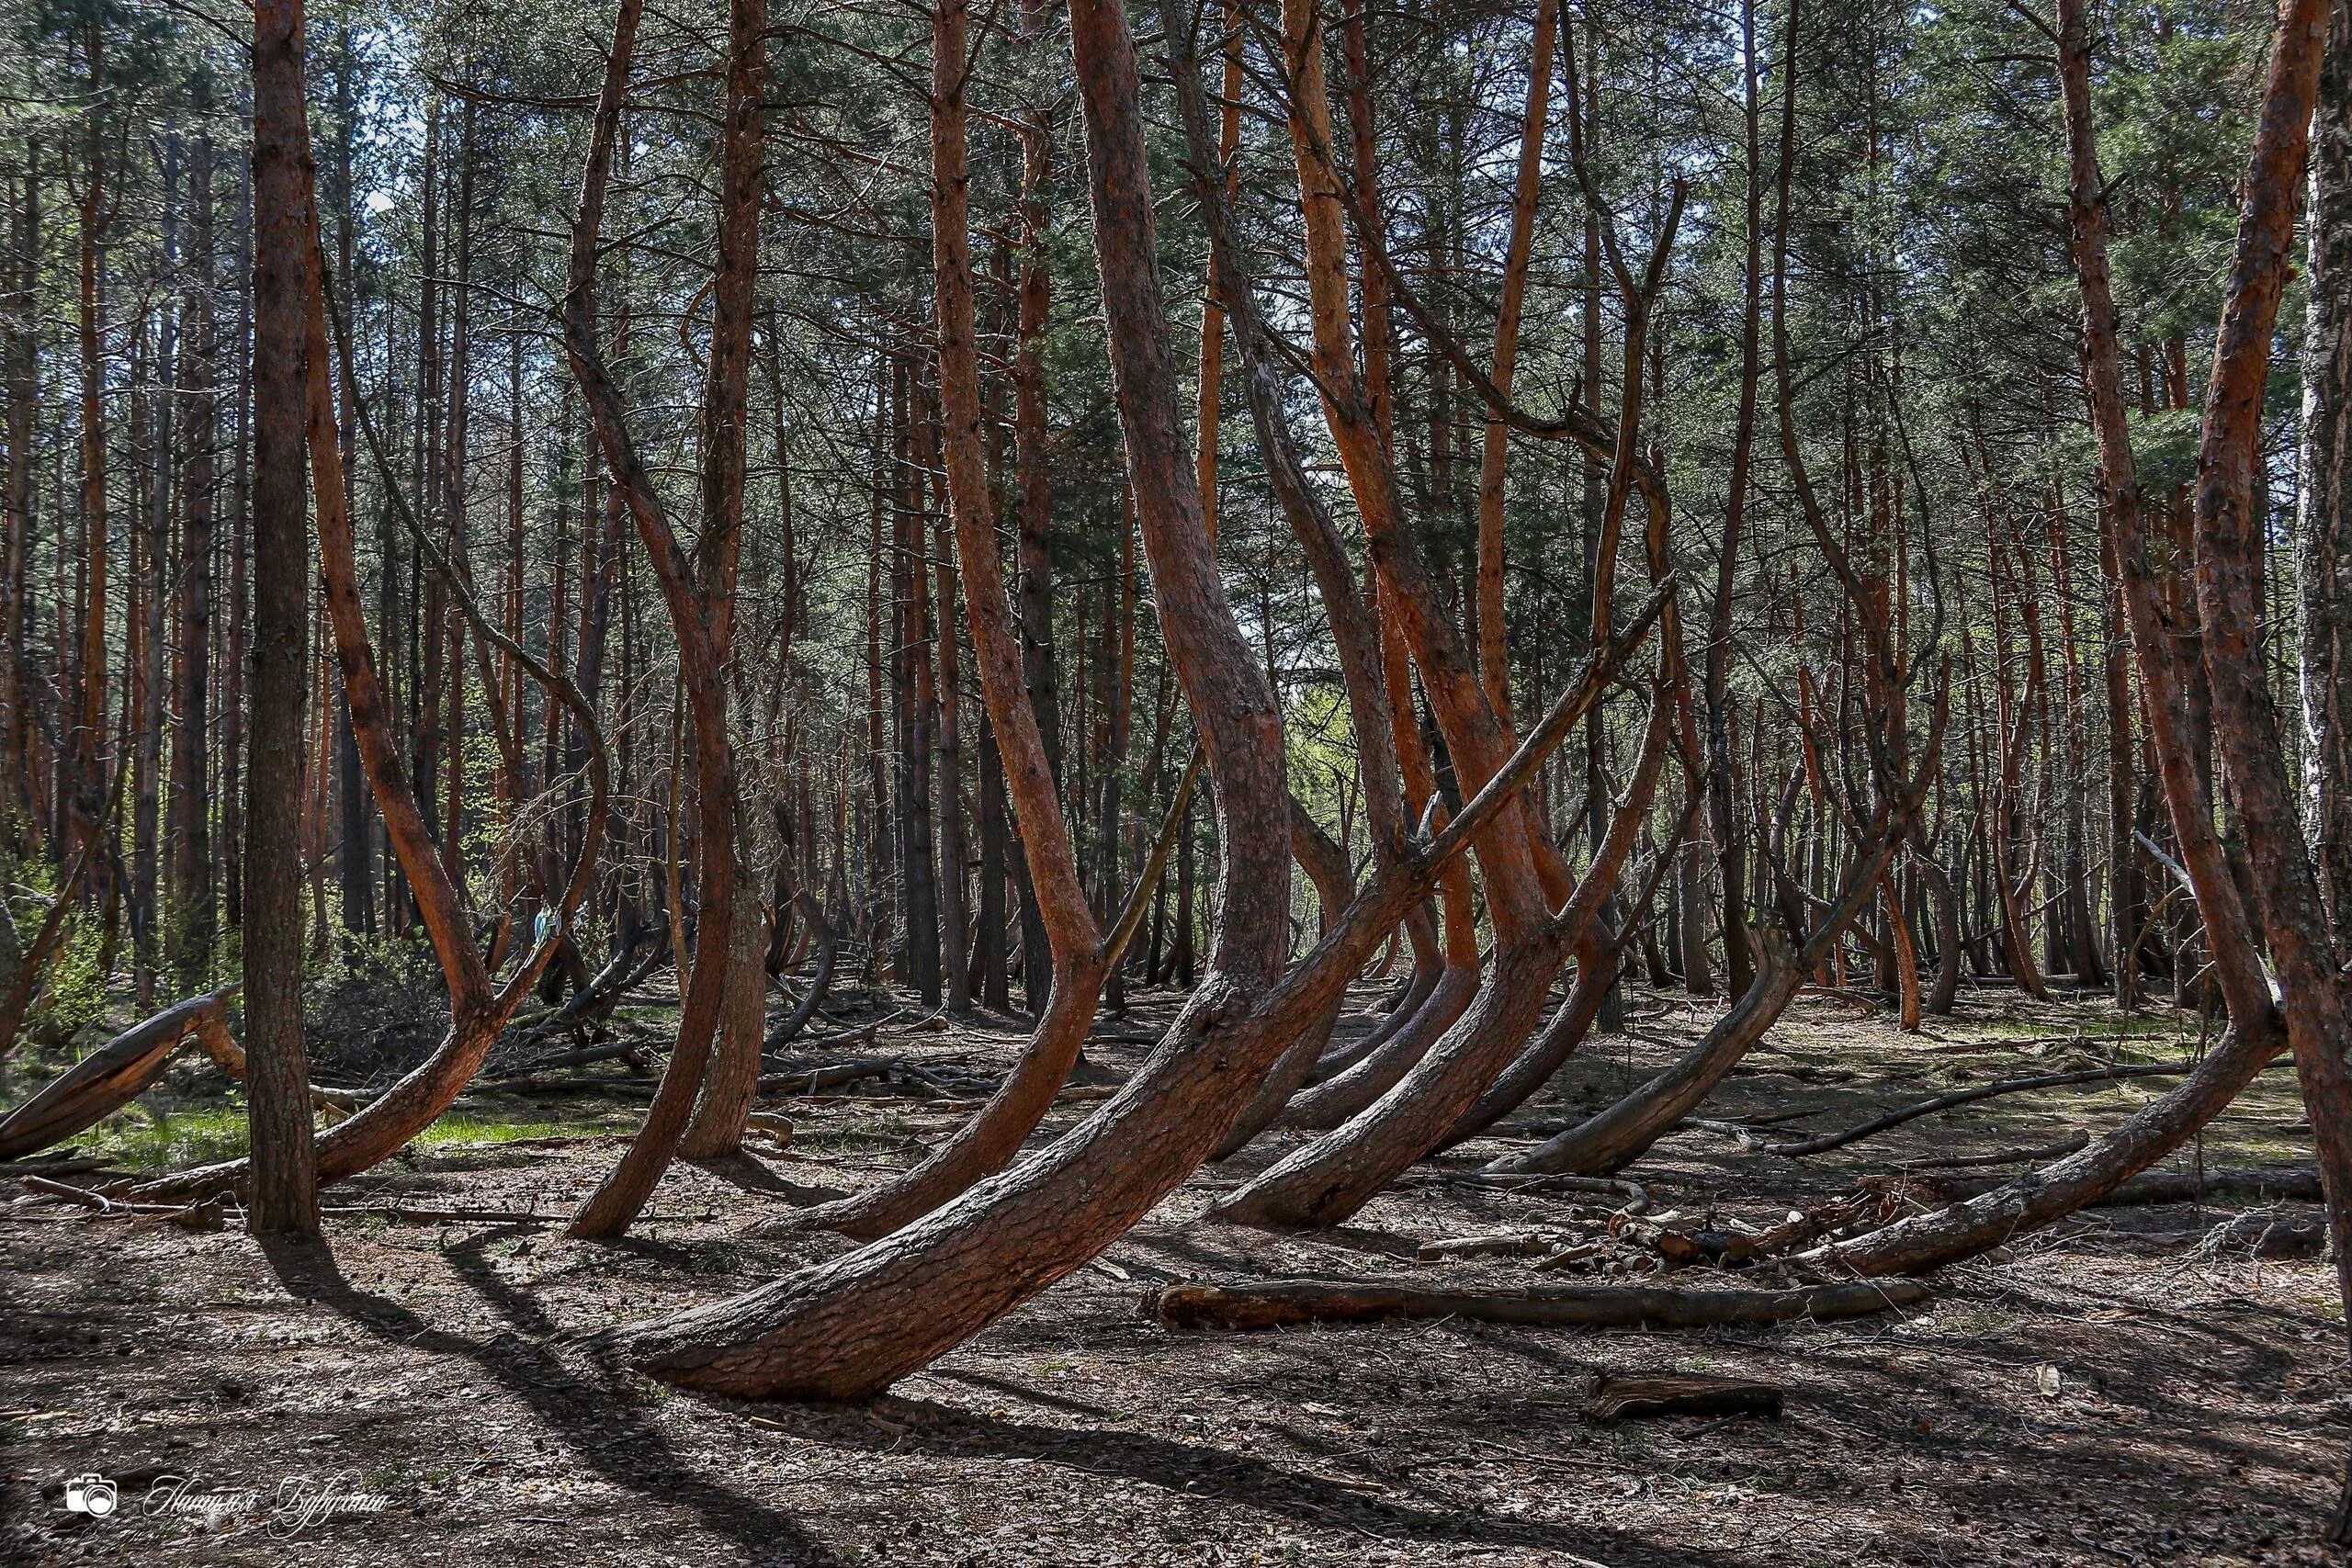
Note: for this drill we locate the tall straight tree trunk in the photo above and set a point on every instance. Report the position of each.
(726, 1104)
(19, 813)
(452, 631)
(89, 724)
(2323, 539)
(1121, 597)
(988, 955)
(954, 920)
(284, 1198)
(1032, 482)
(875, 840)
(918, 864)
(429, 604)
(232, 660)
(354, 827)
(2127, 910)
(152, 544)
(1731, 847)
(189, 811)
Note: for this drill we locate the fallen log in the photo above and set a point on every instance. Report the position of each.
(64, 1162)
(633, 1088)
(1509, 1244)
(2267, 1232)
(1631, 1196)
(1284, 1302)
(810, 1080)
(107, 1078)
(622, 973)
(585, 1055)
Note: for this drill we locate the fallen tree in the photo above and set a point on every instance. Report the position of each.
(107, 1078)
(1284, 1302)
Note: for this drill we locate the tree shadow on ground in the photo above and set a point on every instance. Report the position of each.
(947, 1431)
(748, 1173)
(608, 1428)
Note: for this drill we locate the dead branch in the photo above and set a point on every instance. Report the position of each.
(1284, 1302)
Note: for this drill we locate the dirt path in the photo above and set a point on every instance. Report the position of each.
(2126, 1390)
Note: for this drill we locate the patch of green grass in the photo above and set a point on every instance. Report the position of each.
(2090, 1025)
(461, 1127)
(141, 1140)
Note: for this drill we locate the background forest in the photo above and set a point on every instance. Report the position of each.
(1930, 325)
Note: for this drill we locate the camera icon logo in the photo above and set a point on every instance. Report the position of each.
(93, 1495)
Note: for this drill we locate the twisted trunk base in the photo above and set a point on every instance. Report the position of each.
(992, 1139)
(1550, 1050)
(1289, 1073)
(1330, 1179)
(851, 1327)
(1330, 1103)
(1618, 1137)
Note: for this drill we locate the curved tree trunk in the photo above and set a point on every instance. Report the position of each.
(849, 1327)
(820, 928)
(1355, 636)
(1963, 1230)
(478, 1012)
(720, 1115)
(702, 627)
(1330, 1179)
(1624, 1133)
(1420, 983)
(2231, 586)
(1332, 1102)
(989, 1141)
(852, 1325)
(1334, 1176)
(1597, 959)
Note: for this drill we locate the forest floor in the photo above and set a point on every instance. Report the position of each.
(2130, 1387)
